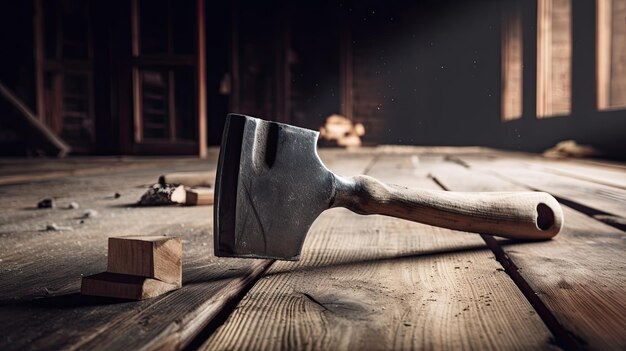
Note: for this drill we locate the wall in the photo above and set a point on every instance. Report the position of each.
(423, 73)
(430, 74)
(16, 71)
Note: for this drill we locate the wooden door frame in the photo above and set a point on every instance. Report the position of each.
(198, 63)
(60, 65)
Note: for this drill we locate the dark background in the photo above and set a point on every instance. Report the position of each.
(423, 72)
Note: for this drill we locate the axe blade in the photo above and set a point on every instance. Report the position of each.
(270, 187)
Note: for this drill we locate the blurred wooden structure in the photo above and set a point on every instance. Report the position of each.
(158, 77)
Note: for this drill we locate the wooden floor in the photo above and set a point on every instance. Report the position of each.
(363, 282)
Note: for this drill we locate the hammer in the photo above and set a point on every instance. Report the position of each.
(271, 185)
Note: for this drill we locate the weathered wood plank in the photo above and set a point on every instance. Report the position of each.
(374, 282)
(579, 275)
(19, 171)
(29, 125)
(598, 171)
(600, 198)
(41, 270)
(588, 172)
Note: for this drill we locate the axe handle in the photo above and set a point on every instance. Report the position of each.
(517, 215)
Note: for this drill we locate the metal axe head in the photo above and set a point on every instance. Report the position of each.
(270, 187)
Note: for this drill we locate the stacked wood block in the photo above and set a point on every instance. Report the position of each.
(341, 131)
(139, 267)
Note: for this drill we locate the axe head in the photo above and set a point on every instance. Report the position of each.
(270, 187)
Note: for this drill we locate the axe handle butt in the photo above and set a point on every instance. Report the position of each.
(517, 215)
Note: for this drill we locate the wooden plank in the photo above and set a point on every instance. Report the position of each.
(124, 286)
(201, 67)
(13, 172)
(554, 58)
(601, 175)
(136, 75)
(29, 125)
(38, 50)
(512, 64)
(158, 257)
(374, 282)
(597, 171)
(600, 198)
(171, 107)
(41, 270)
(604, 17)
(579, 275)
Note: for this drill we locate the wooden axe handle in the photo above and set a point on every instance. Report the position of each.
(518, 215)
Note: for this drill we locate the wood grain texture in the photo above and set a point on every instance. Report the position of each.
(30, 125)
(157, 257)
(201, 80)
(353, 267)
(599, 197)
(517, 215)
(20, 171)
(40, 271)
(375, 282)
(592, 173)
(579, 275)
(124, 286)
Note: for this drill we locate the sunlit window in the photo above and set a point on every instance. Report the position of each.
(611, 54)
(512, 66)
(554, 57)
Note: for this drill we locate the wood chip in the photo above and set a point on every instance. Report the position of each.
(159, 195)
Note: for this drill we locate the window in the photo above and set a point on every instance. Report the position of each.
(64, 52)
(611, 54)
(512, 65)
(554, 57)
(168, 110)
(164, 71)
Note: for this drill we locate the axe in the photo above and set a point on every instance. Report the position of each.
(271, 185)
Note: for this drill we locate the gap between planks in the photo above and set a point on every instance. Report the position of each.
(603, 202)
(577, 275)
(562, 336)
(354, 266)
(40, 280)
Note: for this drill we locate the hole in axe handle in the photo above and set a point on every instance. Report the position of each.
(545, 216)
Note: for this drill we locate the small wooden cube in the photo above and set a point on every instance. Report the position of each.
(123, 286)
(157, 257)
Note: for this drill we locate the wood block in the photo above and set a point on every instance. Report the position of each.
(157, 257)
(124, 286)
(199, 196)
